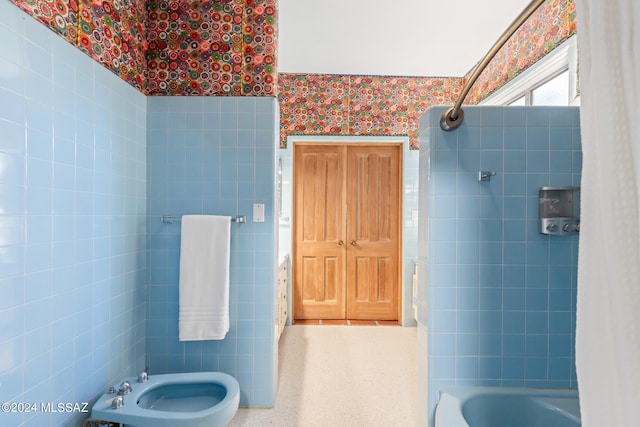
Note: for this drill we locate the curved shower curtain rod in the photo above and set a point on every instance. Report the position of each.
(455, 115)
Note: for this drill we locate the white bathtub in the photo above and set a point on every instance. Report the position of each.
(507, 407)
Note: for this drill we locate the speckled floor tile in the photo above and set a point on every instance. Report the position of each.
(335, 376)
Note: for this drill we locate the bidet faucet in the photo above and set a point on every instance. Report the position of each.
(125, 388)
(143, 377)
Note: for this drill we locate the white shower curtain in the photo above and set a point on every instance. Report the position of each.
(608, 312)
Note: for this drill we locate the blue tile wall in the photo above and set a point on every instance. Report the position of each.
(498, 296)
(215, 156)
(411, 185)
(72, 223)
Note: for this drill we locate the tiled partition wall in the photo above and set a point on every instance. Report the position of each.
(215, 156)
(72, 223)
(498, 297)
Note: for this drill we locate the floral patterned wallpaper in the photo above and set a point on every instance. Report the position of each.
(110, 31)
(315, 104)
(173, 47)
(207, 47)
(59, 15)
(228, 47)
(548, 27)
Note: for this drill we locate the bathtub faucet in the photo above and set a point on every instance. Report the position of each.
(125, 388)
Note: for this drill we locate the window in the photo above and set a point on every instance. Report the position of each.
(518, 101)
(554, 91)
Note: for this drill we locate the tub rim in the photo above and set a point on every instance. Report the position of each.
(452, 399)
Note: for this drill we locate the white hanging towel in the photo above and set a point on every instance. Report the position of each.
(204, 277)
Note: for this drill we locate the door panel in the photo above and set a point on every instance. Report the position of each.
(319, 232)
(346, 231)
(373, 229)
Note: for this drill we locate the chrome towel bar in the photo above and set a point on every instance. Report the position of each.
(170, 219)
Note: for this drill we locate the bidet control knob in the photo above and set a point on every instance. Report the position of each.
(117, 402)
(143, 377)
(125, 388)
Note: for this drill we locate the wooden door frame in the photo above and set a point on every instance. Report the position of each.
(318, 141)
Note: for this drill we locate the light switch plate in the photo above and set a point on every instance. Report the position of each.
(258, 212)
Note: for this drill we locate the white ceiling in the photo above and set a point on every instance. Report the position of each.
(390, 37)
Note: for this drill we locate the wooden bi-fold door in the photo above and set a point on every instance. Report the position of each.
(347, 208)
